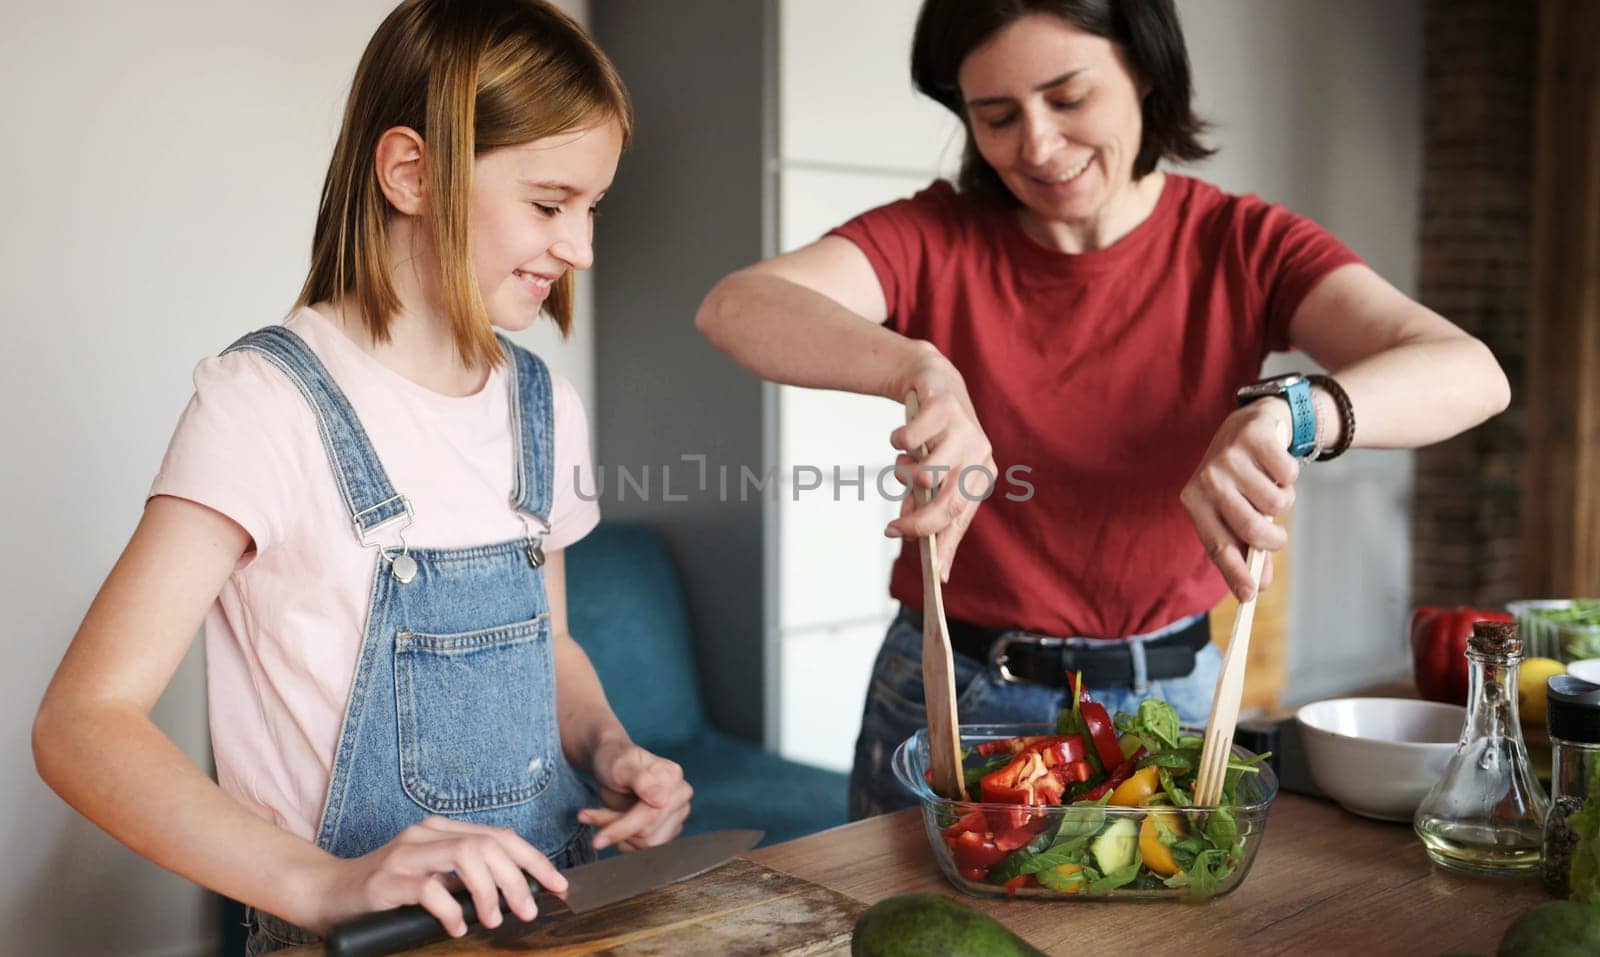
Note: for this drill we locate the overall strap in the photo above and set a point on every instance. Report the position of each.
(368, 496)
(533, 431)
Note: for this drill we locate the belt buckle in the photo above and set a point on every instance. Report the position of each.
(998, 657)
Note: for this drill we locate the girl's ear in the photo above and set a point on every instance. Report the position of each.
(400, 171)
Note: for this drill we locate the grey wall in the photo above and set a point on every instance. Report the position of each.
(687, 209)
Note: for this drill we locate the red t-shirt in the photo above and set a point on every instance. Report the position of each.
(1106, 374)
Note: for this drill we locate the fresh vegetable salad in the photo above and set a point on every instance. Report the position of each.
(1103, 804)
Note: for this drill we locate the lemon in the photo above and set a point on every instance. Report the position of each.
(1531, 687)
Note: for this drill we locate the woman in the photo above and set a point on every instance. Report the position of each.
(1067, 307)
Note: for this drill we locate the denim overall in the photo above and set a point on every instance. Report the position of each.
(453, 707)
(895, 707)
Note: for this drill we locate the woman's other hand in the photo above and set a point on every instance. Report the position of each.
(1244, 481)
(960, 459)
(645, 796)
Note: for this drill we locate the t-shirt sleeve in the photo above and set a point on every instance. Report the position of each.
(574, 505)
(1289, 255)
(905, 242)
(230, 451)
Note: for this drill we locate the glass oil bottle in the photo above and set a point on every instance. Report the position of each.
(1486, 815)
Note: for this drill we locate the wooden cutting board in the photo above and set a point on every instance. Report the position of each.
(740, 908)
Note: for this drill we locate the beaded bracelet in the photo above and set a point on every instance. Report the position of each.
(1347, 415)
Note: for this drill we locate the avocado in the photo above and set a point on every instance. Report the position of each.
(915, 925)
(1553, 929)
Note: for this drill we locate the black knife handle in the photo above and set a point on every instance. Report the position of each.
(392, 931)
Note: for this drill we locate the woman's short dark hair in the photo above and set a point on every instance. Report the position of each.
(1147, 31)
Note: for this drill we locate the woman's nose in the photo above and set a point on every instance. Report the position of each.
(1039, 139)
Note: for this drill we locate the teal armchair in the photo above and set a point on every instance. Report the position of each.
(625, 608)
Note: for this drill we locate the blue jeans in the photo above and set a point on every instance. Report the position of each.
(896, 709)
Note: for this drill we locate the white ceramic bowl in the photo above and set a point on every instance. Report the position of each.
(1379, 757)
(1586, 668)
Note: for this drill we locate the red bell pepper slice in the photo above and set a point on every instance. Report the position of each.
(972, 821)
(1103, 732)
(1019, 882)
(978, 850)
(1123, 772)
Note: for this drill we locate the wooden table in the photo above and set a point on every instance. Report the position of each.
(1324, 882)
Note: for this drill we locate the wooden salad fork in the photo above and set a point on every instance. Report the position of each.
(938, 661)
(1218, 746)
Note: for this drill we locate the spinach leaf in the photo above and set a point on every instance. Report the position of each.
(1114, 879)
(1222, 829)
(1070, 852)
(1160, 721)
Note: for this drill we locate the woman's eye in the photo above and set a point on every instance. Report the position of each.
(1068, 104)
(550, 212)
(1000, 122)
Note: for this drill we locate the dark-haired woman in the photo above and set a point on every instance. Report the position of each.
(1068, 308)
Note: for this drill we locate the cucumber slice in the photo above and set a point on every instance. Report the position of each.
(1117, 846)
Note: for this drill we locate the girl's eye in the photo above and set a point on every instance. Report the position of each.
(550, 212)
(1068, 104)
(1000, 122)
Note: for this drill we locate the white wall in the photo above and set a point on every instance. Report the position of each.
(1316, 105)
(163, 164)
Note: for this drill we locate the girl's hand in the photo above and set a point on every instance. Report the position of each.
(947, 424)
(646, 798)
(416, 868)
(1245, 479)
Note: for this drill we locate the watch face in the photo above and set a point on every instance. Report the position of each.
(1277, 385)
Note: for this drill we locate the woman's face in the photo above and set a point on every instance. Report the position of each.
(1054, 110)
(532, 217)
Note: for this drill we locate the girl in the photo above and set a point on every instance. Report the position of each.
(366, 505)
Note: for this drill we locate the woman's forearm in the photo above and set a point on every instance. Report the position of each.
(1419, 393)
(111, 763)
(584, 715)
(784, 332)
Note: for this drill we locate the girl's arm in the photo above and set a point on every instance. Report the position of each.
(94, 743)
(814, 317)
(646, 798)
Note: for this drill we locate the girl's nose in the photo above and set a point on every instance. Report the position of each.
(575, 245)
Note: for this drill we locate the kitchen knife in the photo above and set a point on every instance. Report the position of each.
(588, 886)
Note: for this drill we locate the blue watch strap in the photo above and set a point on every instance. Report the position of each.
(1304, 414)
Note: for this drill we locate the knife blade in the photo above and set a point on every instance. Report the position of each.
(589, 886)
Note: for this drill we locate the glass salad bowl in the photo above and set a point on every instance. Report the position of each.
(1091, 851)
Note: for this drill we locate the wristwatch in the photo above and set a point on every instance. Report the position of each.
(1295, 389)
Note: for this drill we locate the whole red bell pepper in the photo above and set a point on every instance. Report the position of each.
(1438, 650)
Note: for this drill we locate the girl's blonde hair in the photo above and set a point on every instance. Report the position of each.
(469, 76)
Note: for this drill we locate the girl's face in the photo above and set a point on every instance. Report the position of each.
(1055, 111)
(532, 217)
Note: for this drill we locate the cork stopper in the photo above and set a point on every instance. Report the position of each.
(1495, 638)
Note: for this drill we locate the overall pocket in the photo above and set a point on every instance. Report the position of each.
(477, 716)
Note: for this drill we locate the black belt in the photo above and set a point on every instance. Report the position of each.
(1020, 656)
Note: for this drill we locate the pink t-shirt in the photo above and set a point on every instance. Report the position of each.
(283, 637)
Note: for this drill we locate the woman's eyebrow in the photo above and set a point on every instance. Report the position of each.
(997, 100)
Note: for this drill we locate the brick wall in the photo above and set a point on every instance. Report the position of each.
(1475, 266)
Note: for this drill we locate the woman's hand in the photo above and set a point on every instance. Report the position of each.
(946, 423)
(646, 798)
(1245, 479)
(416, 868)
